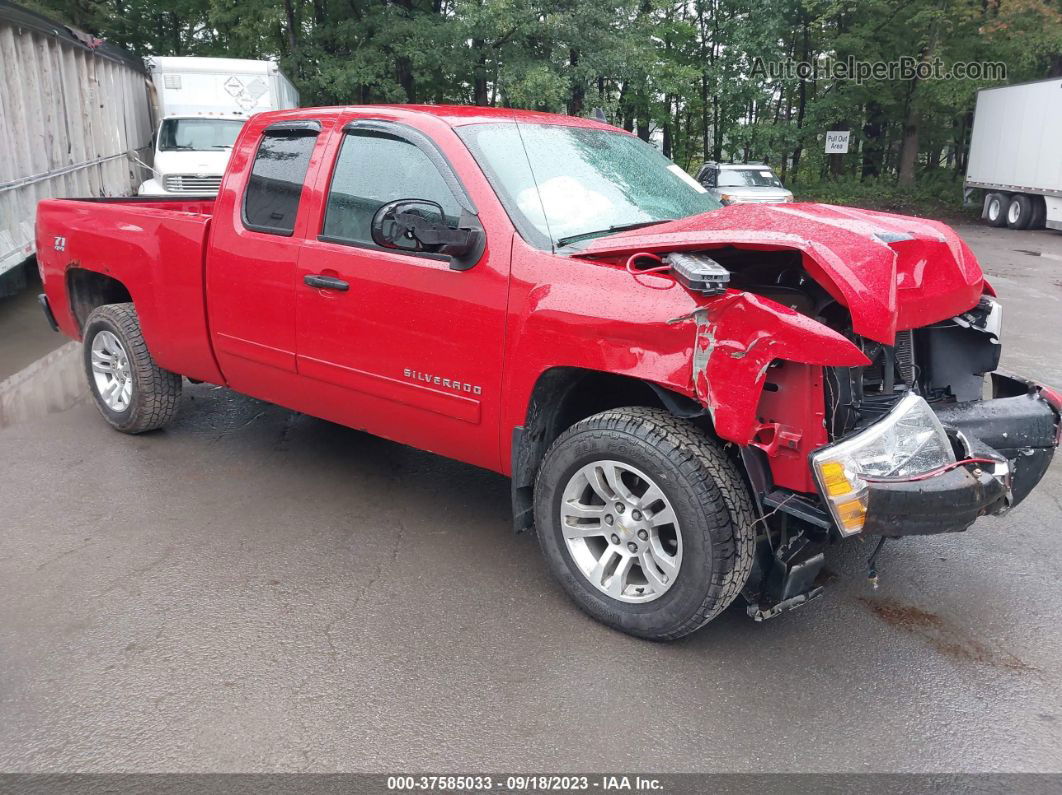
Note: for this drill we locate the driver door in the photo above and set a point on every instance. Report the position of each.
(397, 342)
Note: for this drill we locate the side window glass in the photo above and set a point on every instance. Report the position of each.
(710, 179)
(373, 169)
(271, 201)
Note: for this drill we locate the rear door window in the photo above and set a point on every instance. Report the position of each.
(271, 201)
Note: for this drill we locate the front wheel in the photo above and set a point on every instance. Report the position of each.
(645, 522)
(132, 392)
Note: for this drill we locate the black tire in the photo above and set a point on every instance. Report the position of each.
(1021, 210)
(156, 393)
(996, 209)
(708, 495)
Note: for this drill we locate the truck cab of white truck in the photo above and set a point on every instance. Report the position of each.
(202, 104)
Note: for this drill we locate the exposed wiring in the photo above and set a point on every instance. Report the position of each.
(767, 516)
(645, 255)
(872, 563)
(931, 473)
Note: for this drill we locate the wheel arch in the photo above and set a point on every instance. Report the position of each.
(561, 397)
(88, 290)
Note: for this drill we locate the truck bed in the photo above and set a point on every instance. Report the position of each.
(154, 248)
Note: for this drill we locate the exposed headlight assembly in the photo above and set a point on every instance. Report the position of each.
(908, 441)
(987, 316)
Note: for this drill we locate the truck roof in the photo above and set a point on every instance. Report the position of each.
(454, 115)
(209, 65)
(732, 166)
(1022, 83)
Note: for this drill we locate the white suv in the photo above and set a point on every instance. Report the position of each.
(740, 183)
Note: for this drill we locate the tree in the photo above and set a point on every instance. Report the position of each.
(679, 72)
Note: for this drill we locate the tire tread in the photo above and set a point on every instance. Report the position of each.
(717, 485)
(157, 392)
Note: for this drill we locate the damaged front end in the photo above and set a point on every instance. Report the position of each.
(931, 436)
(843, 436)
(924, 438)
(925, 469)
(852, 359)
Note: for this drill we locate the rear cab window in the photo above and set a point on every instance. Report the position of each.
(274, 190)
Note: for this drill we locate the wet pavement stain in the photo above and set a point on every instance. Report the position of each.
(949, 640)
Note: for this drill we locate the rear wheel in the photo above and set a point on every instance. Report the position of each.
(645, 522)
(1019, 211)
(996, 209)
(132, 392)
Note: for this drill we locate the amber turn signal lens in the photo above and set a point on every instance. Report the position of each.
(834, 479)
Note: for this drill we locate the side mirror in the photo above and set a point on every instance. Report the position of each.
(421, 225)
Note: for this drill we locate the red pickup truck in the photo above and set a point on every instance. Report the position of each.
(691, 400)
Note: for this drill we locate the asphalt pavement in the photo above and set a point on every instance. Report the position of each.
(256, 590)
(24, 334)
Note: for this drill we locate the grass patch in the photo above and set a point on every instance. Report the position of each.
(931, 197)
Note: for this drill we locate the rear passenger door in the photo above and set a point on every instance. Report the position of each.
(254, 251)
(407, 347)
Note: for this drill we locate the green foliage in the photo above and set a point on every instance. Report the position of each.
(936, 196)
(679, 72)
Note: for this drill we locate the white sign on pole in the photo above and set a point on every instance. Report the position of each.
(837, 142)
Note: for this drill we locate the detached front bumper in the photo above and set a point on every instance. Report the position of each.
(945, 503)
(1003, 447)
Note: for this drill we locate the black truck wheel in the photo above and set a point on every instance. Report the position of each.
(996, 209)
(645, 521)
(132, 392)
(1020, 211)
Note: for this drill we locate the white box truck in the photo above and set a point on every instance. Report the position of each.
(1016, 154)
(202, 103)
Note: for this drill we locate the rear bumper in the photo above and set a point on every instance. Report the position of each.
(1017, 431)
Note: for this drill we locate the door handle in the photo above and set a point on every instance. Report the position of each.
(326, 282)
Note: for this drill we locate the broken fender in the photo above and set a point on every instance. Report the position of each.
(738, 336)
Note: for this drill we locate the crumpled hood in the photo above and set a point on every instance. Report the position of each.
(893, 272)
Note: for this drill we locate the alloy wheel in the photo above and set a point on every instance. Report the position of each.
(111, 371)
(621, 531)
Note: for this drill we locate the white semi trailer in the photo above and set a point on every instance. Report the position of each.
(1016, 155)
(201, 104)
(74, 119)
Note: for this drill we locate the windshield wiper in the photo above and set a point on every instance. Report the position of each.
(564, 241)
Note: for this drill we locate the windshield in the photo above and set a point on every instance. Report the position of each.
(748, 178)
(198, 135)
(578, 183)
